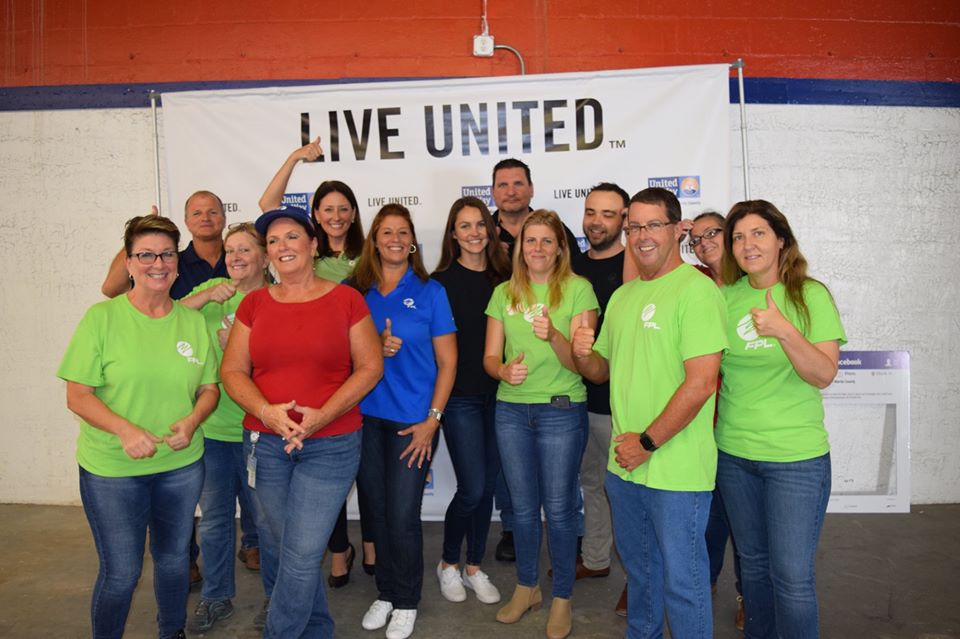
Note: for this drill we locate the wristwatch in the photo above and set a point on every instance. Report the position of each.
(647, 442)
(436, 413)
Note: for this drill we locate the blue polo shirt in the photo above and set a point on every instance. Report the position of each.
(418, 312)
(193, 270)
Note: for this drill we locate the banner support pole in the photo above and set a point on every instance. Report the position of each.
(154, 96)
(744, 153)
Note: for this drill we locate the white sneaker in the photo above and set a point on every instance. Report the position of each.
(451, 586)
(377, 615)
(401, 624)
(479, 583)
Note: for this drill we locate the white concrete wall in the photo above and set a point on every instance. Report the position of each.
(871, 193)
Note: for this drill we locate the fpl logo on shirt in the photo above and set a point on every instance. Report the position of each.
(528, 312)
(748, 333)
(185, 349)
(647, 316)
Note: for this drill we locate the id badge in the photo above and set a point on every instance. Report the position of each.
(252, 460)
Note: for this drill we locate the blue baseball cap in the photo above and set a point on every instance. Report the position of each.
(295, 213)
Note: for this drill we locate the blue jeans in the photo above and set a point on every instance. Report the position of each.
(468, 429)
(776, 512)
(501, 496)
(225, 480)
(395, 495)
(718, 531)
(660, 538)
(540, 449)
(120, 510)
(269, 548)
(299, 496)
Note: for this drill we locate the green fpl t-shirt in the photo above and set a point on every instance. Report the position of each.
(336, 269)
(225, 424)
(651, 328)
(767, 412)
(546, 376)
(144, 369)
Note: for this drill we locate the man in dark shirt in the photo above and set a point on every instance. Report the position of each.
(203, 259)
(512, 191)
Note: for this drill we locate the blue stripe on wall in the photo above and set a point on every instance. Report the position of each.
(757, 90)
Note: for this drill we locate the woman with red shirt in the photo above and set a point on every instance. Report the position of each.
(300, 357)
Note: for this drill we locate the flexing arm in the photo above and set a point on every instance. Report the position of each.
(273, 196)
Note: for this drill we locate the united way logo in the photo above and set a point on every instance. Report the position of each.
(647, 316)
(300, 200)
(685, 187)
(483, 192)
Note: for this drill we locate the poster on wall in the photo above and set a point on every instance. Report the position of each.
(425, 143)
(867, 413)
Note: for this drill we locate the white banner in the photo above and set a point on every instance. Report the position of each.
(426, 143)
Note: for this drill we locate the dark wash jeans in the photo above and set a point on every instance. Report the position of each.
(395, 494)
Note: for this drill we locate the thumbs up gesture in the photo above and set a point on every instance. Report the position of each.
(769, 321)
(514, 371)
(542, 326)
(309, 152)
(391, 343)
(583, 338)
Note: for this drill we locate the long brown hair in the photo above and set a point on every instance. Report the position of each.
(518, 288)
(353, 242)
(498, 265)
(368, 272)
(792, 270)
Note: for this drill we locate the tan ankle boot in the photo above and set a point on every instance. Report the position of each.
(559, 624)
(524, 598)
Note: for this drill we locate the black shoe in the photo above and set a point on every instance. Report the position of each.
(505, 550)
(339, 581)
(261, 619)
(208, 613)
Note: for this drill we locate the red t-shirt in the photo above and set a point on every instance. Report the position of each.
(301, 351)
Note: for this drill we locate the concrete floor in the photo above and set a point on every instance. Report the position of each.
(879, 576)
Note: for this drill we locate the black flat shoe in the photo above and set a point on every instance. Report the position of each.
(370, 569)
(339, 581)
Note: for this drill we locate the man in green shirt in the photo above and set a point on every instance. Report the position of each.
(660, 348)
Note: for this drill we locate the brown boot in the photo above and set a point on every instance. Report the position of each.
(524, 598)
(621, 608)
(741, 617)
(559, 624)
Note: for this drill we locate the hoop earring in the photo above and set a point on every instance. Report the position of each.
(413, 249)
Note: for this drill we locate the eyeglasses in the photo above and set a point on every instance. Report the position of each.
(652, 227)
(709, 234)
(149, 257)
(242, 226)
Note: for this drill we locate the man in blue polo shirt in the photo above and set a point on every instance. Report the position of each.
(203, 259)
